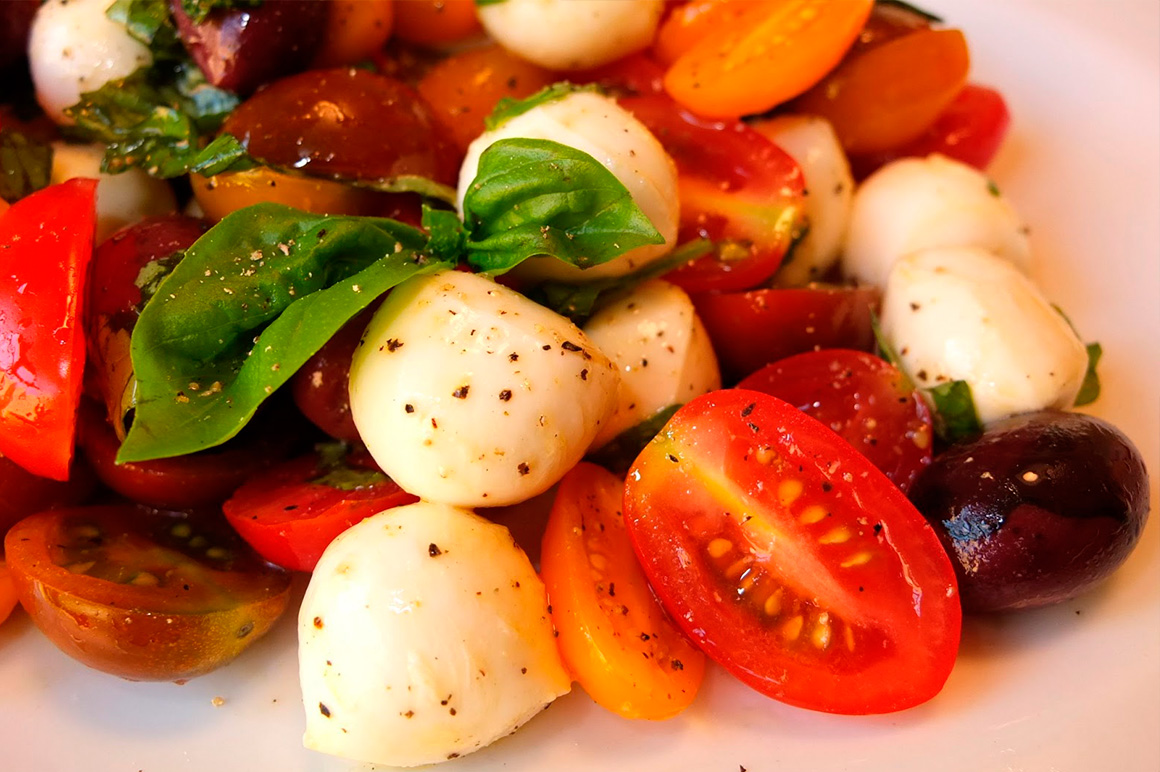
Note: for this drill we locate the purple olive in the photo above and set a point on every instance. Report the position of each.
(240, 49)
(15, 22)
(1039, 509)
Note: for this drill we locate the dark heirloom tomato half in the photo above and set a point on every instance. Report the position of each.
(737, 188)
(145, 595)
(293, 512)
(865, 400)
(751, 329)
(790, 560)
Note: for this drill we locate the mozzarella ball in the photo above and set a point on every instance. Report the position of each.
(661, 349)
(468, 393)
(122, 198)
(811, 142)
(921, 203)
(73, 48)
(963, 314)
(424, 635)
(598, 126)
(572, 34)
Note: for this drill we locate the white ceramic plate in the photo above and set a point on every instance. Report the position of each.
(1074, 688)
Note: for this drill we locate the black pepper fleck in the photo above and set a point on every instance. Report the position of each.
(433, 550)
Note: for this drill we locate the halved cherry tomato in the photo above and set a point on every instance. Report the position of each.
(790, 560)
(24, 494)
(889, 95)
(145, 595)
(463, 89)
(46, 240)
(435, 22)
(291, 513)
(613, 635)
(8, 597)
(634, 75)
(355, 30)
(751, 329)
(751, 56)
(183, 482)
(737, 188)
(321, 387)
(863, 399)
(970, 130)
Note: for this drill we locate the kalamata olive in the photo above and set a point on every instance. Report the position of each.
(345, 123)
(239, 49)
(320, 387)
(15, 21)
(126, 268)
(1039, 509)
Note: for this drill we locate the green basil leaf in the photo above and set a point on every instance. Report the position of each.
(508, 108)
(149, 22)
(618, 454)
(408, 183)
(445, 234)
(25, 165)
(913, 9)
(887, 352)
(481, 3)
(253, 299)
(537, 197)
(1089, 392)
(335, 472)
(199, 10)
(225, 153)
(955, 417)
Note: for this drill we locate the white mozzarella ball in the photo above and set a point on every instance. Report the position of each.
(922, 203)
(73, 48)
(963, 314)
(661, 349)
(466, 392)
(122, 198)
(598, 126)
(811, 142)
(572, 34)
(424, 635)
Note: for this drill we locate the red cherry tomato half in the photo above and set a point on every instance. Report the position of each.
(146, 595)
(737, 188)
(321, 387)
(865, 400)
(751, 329)
(970, 130)
(790, 560)
(23, 493)
(46, 240)
(291, 513)
(634, 75)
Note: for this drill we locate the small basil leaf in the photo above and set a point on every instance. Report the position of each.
(149, 22)
(955, 417)
(199, 10)
(25, 165)
(619, 453)
(408, 183)
(481, 3)
(445, 234)
(508, 108)
(887, 352)
(224, 154)
(1089, 392)
(537, 197)
(251, 301)
(335, 472)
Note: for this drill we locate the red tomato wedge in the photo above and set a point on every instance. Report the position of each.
(613, 635)
(737, 189)
(865, 400)
(46, 240)
(790, 560)
(290, 514)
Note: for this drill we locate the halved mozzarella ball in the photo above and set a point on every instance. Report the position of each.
(73, 48)
(424, 635)
(598, 126)
(122, 198)
(572, 34)
(811, 142)
(468, 393)
(661, 349)
(921, 203)
(963, 314)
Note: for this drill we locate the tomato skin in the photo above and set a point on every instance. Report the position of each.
(321, 387)
(289, 515)
(46, 241)
(865, 400)
(125, 591)
(751, 329)
(24, 493)
(435, 22)
(613, 635)
(8, 597)
(790, 560)
(736, 187)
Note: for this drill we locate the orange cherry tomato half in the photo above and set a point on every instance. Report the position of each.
(143, 594)
(355, 31)
(613, 635)
(790, 559)
(889, 95)
(435, 22)
(757, 54)
(8, 597)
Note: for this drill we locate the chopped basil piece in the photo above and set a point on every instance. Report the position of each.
(955, 417)
(618, 454)
(508, 108)
(25, 165)
(913, 9)
(199, 10)
(1089, 392)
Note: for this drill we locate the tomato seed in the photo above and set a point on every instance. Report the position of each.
(788, 492)
(858, 559)
(849, 634)
(839, 535)
(81, 568)
(793, 628)
(772, 605)
(821, 633)
(815, 513)
(719, 547)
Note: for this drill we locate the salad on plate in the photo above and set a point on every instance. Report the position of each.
(524, 350)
